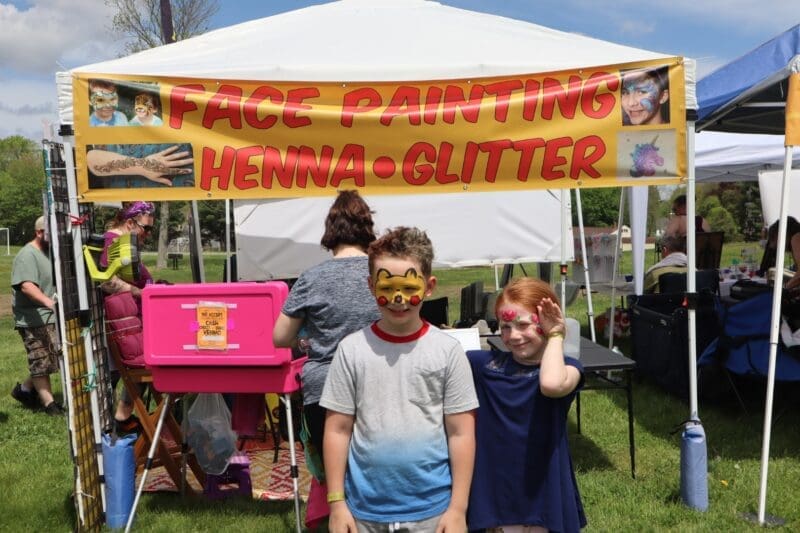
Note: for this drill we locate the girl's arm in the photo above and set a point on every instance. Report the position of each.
(556, 379)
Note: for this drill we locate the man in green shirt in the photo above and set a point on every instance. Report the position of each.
(34, 317)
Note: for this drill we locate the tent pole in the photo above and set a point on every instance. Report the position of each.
(565, 223)
(691, 269)
(198, 241)
(775, 322)
(618, 242)
(587, 282)
(792, 138)
(228, 241)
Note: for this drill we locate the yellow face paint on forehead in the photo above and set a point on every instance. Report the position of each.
(394, 288)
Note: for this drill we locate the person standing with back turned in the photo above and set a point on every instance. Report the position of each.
(326, 303)
(400, 430)
(32, 294)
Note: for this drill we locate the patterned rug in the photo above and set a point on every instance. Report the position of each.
(270, 480)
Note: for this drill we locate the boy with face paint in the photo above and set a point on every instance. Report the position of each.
(104, 100)
(400, 430)
(644, 96)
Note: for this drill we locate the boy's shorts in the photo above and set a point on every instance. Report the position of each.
(41, 343)
(422, 526)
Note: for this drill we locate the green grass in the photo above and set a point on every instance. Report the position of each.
(36, 472)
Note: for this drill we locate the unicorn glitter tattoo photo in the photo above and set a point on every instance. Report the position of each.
(646, 159)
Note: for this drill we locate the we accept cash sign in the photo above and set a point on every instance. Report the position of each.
(175, 138)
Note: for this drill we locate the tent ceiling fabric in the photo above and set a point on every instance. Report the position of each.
(371, 40)
(734, 157)
(748, 95)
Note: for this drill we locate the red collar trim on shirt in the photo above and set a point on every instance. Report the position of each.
(388, 337)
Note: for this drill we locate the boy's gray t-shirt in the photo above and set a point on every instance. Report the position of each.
(334, 300)
(399, 390)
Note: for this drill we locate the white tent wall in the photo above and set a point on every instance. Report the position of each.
(769, 186)
(278, 239)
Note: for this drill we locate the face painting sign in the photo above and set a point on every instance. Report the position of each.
(208, 139)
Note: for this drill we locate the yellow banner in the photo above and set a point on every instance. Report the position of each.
(181, 139)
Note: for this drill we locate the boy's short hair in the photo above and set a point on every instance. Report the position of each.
(403, 242)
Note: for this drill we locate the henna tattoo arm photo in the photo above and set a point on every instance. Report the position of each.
(158, 167)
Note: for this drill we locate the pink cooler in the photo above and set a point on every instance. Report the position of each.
(216, 337)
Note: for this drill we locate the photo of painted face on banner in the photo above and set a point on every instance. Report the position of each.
(126, 166)
(645, 97)
(114, 103)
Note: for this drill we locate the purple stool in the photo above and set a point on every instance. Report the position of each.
(238, 472)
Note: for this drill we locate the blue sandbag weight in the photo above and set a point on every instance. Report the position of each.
(119, 468)
(694, 466)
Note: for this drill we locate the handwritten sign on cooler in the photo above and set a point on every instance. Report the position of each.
(212, 318)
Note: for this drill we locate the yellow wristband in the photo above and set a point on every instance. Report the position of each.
(335, 497)
(553, 334)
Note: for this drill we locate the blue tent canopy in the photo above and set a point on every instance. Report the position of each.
(748, 95)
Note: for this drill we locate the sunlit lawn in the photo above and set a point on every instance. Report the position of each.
(36, 472)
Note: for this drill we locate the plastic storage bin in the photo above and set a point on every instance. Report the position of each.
(216, 337)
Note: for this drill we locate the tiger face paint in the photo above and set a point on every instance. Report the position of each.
(408, 288)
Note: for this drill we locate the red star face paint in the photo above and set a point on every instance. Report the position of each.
(408, 288)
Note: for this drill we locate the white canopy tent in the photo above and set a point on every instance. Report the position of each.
(393, 41)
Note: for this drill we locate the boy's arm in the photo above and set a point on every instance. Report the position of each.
(335, 446)
(460, 429)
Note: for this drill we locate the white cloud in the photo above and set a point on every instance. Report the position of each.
(24, 104)
(51, 34)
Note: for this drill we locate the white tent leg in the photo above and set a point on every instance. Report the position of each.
(773, 337)
(616, 267)
(287, 403)
(228, 275)
(587, 282)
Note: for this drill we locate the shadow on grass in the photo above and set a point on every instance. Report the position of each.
(280, 513)
(733, 425)
(587, 455)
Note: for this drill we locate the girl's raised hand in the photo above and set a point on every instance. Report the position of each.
(550, 318)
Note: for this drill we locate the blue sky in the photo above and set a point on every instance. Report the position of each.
(41, 37)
